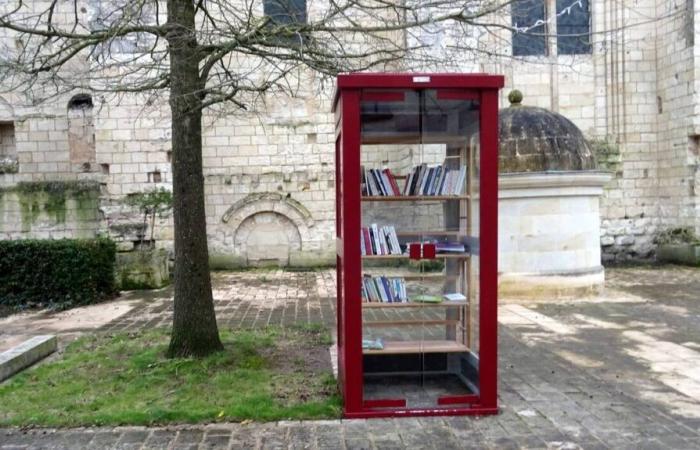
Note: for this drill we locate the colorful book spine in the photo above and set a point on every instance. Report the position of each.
(383, 289)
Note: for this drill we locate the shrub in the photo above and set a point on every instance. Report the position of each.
(56, 273)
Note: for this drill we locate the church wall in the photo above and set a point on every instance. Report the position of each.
(636, 95)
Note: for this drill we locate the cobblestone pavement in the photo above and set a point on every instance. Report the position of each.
(248, 299)
(618, 371)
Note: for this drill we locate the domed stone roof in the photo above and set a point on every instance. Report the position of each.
(537, 140)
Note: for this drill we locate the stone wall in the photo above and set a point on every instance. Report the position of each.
(273, 167)
(52, 210)
(631, 96)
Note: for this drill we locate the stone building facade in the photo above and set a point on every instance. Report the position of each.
(269, 174)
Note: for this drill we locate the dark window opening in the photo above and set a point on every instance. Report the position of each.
(284, 12)
(528, 21)
(573, 27)
(80, 101)
(7, 140)
(284, 15)
(154, 177)
(81, 132)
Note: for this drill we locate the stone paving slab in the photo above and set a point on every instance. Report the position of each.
(619, 371)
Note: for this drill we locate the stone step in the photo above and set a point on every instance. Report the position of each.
(26, 354)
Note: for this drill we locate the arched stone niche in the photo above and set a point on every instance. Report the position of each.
(268, 228)
(81, 132)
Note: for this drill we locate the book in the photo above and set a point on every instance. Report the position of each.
(415, 186)
(383, 289)
(385, 240)
(380, 287)
(375, 236)
(460, 181)
(373, 344)
(387, 289)
(363, 182)
(455, 297)
(370, 183)
(425, 298)
(368, 241)
(370, 289)
(436, 180)
(395, 241)
(392, 181)
(380, 182)
(443, 178)
(388, 189)
(407, 184)
(424, 180)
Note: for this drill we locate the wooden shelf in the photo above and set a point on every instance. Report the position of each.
(425, 277)
(444, 304)
(376, 138)
(406, 347)
(399, 323)
(411, 276)
(437, 256)
(412, 198)
(431, 233)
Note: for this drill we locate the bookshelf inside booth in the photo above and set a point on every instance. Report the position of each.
(411, 314)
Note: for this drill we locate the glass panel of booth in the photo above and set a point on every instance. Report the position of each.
(419, 240)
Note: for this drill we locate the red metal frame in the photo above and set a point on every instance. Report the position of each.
(347, 108)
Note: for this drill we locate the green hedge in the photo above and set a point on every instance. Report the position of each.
(57, 273)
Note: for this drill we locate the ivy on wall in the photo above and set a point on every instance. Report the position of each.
(607, 154)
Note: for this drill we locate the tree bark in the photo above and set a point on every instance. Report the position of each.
(195, 332)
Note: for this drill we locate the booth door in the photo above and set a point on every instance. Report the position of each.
(419, 158)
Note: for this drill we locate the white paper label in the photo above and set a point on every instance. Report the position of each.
(421, 79)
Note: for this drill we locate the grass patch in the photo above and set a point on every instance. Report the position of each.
(265, 375)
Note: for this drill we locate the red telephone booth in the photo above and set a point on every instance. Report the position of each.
(417, 223)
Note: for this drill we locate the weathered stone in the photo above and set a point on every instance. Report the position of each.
(536, 140)
(624, 240)
(679, 253)
(26, 354)
(607, 240)
(142, 269)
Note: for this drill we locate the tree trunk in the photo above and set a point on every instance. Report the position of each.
(194, 324)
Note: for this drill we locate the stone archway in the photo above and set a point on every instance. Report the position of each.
(267, 227)
(266, 239)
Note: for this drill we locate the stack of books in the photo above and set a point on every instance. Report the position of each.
(435, 180)
(377, 240)
(383, 289)
(379, 182)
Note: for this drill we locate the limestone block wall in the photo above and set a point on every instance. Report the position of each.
(627, 95)
(271, 160)
(630, 207)
(678, 152)
(50, 211)
(637, 91)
